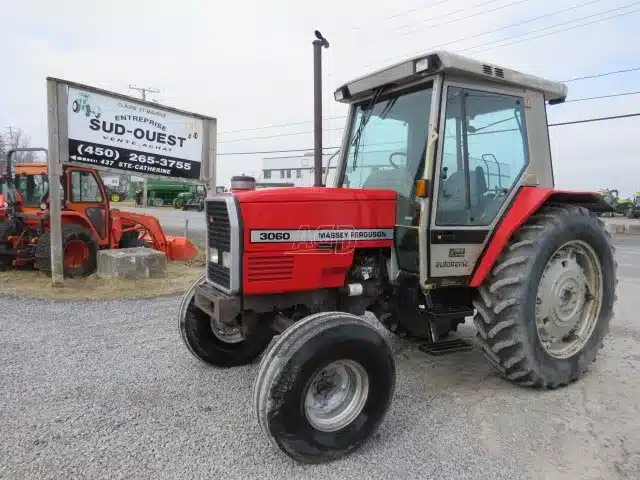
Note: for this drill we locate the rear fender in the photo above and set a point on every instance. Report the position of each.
(70, 216)
(525, 204)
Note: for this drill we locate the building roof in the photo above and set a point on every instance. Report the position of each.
(441, 61)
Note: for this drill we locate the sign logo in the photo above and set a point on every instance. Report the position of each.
(456, 252)
(133, 137)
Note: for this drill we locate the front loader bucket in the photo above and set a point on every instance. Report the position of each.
(180, 248)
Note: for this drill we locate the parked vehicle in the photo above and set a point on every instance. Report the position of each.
(418, 236)
(88, 222)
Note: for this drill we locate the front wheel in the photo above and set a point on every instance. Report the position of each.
(214, 343)
(545, 309)
(324, 387)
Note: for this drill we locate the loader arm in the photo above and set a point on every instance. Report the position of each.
(176, 248)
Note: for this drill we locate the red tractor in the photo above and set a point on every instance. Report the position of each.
(443, 207)
(88, 222)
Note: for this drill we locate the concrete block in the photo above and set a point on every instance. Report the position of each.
(131, 263)
(632, 228)
(614, 228)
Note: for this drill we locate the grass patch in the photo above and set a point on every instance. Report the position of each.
(176, 280)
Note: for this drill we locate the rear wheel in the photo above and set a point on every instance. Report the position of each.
(79, 251)
(115, 197)
(324, 386)
(158, 202)
(543, 312)
(178, 202)
(214, 343)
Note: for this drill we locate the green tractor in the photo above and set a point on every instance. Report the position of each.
(190, 196)
(611, 197)
(634, 208)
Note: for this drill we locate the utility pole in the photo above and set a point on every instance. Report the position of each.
(144, 91)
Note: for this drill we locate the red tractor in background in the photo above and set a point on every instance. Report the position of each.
(419, 229)
(88, 222)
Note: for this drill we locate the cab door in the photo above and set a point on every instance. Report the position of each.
(86, 195)
(482, 153)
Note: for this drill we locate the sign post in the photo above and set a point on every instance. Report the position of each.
(120, 134)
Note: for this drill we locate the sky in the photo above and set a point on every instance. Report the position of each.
(249, 65)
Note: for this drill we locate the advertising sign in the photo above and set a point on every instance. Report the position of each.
(138, 138)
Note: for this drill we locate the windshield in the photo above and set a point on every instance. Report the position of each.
(388, 140)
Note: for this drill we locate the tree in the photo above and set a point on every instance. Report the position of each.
(15, 138)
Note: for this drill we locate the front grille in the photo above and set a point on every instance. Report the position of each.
(264, 269)
(218, 237)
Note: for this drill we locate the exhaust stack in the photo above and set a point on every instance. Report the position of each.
(317, 107)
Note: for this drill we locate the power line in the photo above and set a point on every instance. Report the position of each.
(598, 75)
(556, 32)
(418, 52)
(278, 135)
(277, 151)
(280, 125)
(517, 2)
(573, 122)
(599, 97)
(406, 12)
(603, 96)
(600, 119)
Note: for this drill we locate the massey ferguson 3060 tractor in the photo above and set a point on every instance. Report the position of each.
(443, 207)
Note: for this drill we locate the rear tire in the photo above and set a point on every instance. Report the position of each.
(70, 233)
(213, 348)
(324, 387)
(158, 202)
(534, 292)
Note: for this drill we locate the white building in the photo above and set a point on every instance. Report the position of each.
(295, 169)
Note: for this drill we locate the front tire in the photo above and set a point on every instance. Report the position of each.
(214, 347)
(324, 387)
(544, 310)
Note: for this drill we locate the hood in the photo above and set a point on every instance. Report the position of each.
(312, 194)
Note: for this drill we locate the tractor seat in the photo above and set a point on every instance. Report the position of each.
(387, 179)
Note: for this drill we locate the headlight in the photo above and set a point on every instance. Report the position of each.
(213, 255)
(226, 259)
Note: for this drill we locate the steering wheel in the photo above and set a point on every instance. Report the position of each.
(393, 155)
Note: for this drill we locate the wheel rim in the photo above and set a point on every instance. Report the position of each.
(568, 299)
(115, 197)
(76, 253)
(336, 395)
(226, 333)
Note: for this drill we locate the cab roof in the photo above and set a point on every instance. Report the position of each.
(442, 61)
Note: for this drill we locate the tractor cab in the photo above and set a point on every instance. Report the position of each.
(456, 139)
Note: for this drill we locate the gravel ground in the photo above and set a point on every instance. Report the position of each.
(113, 393)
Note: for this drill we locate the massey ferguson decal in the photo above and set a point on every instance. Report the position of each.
(125, 135)
(321, 235)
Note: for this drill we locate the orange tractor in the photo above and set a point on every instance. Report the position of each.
(88, 223)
